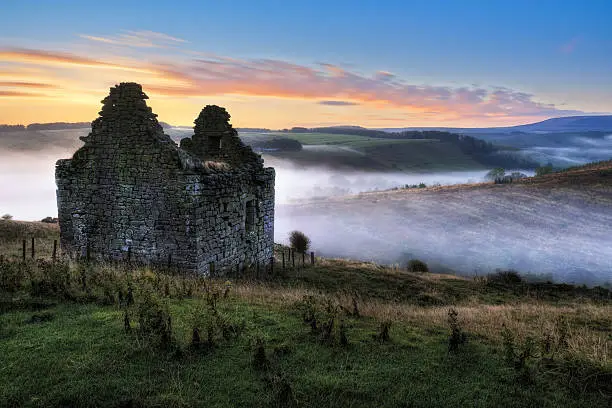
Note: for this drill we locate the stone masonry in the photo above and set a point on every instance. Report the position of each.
(130, 188)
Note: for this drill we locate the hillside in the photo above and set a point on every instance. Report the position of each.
(553, 225)
(346, 148)
(599, 123)
(335, 334)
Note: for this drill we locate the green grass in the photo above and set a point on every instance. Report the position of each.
(324, 138)
(83, 358)
(63, 343)
(375, 154)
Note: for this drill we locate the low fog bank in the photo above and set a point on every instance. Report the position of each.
(471, 232)
(27, 184)
(475, 231)
(577, 151)
(298, 184)
(27, 181)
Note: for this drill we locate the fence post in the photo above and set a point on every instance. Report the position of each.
(23, 254)
(54, 256)
(283, 260)
(129, 255)
(293, 257)
(312, 258)
(258, 269)
(32, 247)
(169, 260)
(303, 258)
(88, 253)
(211, 268)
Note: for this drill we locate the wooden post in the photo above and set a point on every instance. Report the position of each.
(88, 253)
(211, 269)
(32, 247)
(129, 255)
(24, 249)
(283, 260)
(312, 258)
(169, 260)
(257, 268)
(54, 256)
(293, 257)
(303, 258)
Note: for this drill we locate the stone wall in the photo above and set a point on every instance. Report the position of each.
(130, 188)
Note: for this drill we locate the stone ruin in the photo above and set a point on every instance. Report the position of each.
(131, 192)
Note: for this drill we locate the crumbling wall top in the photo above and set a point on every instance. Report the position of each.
(215, 139)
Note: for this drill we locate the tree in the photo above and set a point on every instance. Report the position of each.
(540, 171)
(416, 265)
(496, 173)
(299, 241)
(7, 217)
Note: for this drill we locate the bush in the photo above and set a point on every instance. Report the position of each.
(496, 173)
(542, 170)
(415, 265)
(49, 220)
(507, 277)
(299, 241)
(457, 336)
(7, 217)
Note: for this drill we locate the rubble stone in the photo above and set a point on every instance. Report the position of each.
(130, 187)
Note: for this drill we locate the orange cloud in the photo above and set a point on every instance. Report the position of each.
(25, 84)
(19, 94)
(24, 55)
(207, 77)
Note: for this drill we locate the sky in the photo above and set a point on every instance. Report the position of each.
(278, 64)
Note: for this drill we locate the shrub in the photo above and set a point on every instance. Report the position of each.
(416, 265)
(299, 241)
(383, 334)
(457, 336)
(496, 173)
(154, 321)
(506, 277)
(542, 170)
(7, 217)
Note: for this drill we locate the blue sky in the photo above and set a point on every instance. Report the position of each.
(558, 52)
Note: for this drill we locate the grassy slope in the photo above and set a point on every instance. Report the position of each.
(13, 232)
(366, 153)
(75, 353)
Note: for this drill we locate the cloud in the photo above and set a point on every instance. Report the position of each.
(142, 39)
(19, 94)
(384, 76)
(203, 74)
(13, 84)
(337, 103)
(570, 46)
(25, 55)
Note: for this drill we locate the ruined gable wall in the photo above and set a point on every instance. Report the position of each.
(131, 187)
(125, 188)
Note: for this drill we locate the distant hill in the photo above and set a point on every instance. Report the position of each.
(565, 124)
(58, 125)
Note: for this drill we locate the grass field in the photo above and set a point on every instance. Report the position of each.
(381, 337)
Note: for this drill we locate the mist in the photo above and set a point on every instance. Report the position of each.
(579, 150)
(467, 232)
